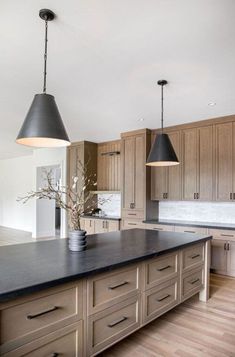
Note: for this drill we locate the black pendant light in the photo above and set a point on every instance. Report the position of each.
(162, 152)
(43, 126)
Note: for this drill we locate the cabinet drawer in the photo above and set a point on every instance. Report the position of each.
(159, 300)
(131, 213)
(185, 229)
(193, 256)
(224, 234)
(109, 288)
(112, 324)
(65, 342)
(31, 316)
(160, 227)
(131, 223)
(192, 283)
(161, 269)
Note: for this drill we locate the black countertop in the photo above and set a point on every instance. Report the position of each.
(172, 222)
(110, 218)
(31, 267)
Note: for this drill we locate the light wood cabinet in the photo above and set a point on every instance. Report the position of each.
(79, 155)
(97, 225)
(109, 166)
(225, 156)
(223, 251)
(198, 159)
(166, 181)
(136, 187)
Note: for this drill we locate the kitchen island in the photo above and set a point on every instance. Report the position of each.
(55, 302)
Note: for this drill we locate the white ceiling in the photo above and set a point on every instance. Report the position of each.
(105, 57)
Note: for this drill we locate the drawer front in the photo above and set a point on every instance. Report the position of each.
(193, 256)
(110, 325)
(67, 342)
(192, 283)
(185, 229)
(160, 227)
(161, 269)
(107, 289)
(126, 213)
(222, 234)
(157, 301)
(131, 223)
(31, 316)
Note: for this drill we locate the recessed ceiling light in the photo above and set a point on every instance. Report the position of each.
(211, 104)
(141, 119)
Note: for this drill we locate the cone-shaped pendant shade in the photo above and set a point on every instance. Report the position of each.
(162, 152)
(43, 126)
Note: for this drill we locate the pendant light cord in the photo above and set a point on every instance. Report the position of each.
(45, 58)
(162, 108)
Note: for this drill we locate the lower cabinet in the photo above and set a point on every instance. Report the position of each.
(94, 225)
(132, 223)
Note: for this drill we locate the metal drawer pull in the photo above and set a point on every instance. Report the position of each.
(163, 298)
(131, 214)
(227, 235)
(164, 268)
(132, 224)
(158, 229)
(112, 324)
(112, 287)
(189, 232)
(30, 317)
(195, 256)
(194, 281)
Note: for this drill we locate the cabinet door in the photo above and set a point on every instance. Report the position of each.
(112, 226)
(219, 255)
(158, 182)
(100, 226)
(205, 163)
(231, 259)
(89, 226)
(224, 161)
(174, 172)
(140, 169)
(190, 163)
(128, 163)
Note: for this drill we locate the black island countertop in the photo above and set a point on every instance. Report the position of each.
(30, 267)
(172, 222)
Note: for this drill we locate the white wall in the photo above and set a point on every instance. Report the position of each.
(222, 212)
(16, 179)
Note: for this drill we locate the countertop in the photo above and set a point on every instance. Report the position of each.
(111, 218)
(172, 222)
(31, 267)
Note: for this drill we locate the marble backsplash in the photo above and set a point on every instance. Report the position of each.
(221, 212)
(113, 205)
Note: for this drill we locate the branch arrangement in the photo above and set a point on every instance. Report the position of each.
(75, 199)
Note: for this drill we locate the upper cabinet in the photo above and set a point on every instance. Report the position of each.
(225, 156)
(109, 162)
(136, 201)
(198, 159)
(166, 181)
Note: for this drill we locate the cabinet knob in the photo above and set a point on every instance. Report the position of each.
(194, 196)
(197, 195)
(231, 196)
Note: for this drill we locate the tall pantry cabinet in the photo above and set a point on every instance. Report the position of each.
(136, 179)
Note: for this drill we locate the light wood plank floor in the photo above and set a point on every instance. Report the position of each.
(193, 329)
(10, 236)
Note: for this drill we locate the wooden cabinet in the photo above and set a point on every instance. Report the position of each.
(136, 186)
(166, 181)
(79, 155)
(97, 225)
(225, 156)
(223, 251)
(198, 159)
(109, 166)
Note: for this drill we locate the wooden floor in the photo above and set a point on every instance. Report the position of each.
(10, 236)
(193, 329)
